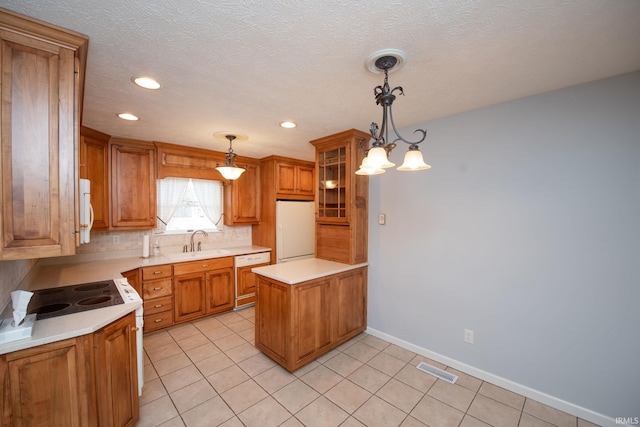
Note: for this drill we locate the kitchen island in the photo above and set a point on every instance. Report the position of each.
(306, 308)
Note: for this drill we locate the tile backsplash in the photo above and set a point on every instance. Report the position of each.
(13, 272)
(121, 241)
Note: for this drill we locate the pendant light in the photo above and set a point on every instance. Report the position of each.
(377, 157)
(229, 170)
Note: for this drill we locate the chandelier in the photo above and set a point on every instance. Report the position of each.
(229, 170)
(377, 157)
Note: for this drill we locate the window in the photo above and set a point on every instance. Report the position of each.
(186, 204)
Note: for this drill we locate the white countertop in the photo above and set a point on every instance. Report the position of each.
(295, 272)
(65, 271)
(93, 267)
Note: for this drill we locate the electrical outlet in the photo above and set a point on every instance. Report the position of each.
(382, 219)
(468, 336)
(116, 239)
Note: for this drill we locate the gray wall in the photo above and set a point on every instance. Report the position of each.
(526, 230)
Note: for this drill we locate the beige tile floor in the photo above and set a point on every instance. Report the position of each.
(208, 373)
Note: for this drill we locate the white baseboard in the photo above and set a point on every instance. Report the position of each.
(554, 402)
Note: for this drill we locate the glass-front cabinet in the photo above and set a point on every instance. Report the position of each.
(332, 184)
(341, 198)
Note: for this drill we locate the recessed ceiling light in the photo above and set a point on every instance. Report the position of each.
(127, 116)
(288, 125)
(146, 82)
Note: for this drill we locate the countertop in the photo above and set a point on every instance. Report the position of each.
(300, 271)
(64, 271)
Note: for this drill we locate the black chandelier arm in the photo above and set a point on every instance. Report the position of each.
(399, 137)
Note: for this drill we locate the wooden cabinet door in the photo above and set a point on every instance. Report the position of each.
(189, 291)
(285, 178)
(292, 179)
(305, 180)
(45, 385)
(116, 373)
(242, 198)
(246, 279)
(311, 318)
(38, 143)
(220, 290)
(133, 185)
(350, 293)
(273, 319)
(94, 166)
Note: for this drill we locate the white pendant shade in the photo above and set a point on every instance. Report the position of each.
(378, 158)
(367, 169)
(413, 161)
(230, 172)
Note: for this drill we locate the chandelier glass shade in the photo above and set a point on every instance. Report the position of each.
(377, 157)
(229, 170)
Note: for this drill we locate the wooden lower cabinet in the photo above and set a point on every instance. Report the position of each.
(116, 373)
(202, 287)
(189, 296)
(295, 324)
(246, 285)
(87, 380)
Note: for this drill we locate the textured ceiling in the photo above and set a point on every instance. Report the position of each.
(246, 65)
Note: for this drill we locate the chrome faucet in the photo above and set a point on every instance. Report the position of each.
(199, 243)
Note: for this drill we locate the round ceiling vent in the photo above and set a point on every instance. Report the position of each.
(390, 59)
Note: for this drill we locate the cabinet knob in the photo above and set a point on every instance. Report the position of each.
(157, 289)
(157, 306)
(134, 329)
(157, 321)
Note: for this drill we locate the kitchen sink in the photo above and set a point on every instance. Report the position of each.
(196, 255)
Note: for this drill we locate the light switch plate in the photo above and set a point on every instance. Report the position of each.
(382, 219)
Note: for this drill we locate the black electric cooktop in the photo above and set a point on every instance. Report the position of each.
(53, 302)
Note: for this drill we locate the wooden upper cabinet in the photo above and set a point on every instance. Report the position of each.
(342, 198)
(294, 179)
(94, 166)
(242, 198)
(42, 70)
(133, 184)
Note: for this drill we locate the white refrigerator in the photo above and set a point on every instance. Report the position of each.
(295, 230)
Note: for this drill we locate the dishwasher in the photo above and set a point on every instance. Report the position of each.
(246, 279)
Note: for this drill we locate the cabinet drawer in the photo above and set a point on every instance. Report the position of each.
(202, 265)
(158, 305)
(156, 288)
(157, 321)
(156, 272)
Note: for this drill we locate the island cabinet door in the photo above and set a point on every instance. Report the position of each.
(312, 312)
(272, 318)
(350, 306)
(190, 296)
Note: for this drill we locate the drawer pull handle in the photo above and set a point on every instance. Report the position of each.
(158, 305)
(157, 289)
(157, 272)
(205, 265)
(157, 321)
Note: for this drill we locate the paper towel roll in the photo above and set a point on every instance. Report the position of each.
(145, 246)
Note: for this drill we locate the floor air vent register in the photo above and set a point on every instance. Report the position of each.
(437, 372)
